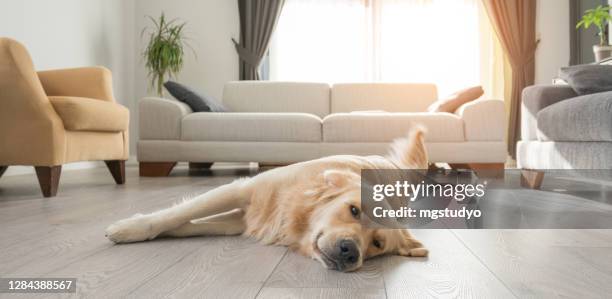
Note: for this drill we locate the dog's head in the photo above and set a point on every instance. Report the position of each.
(338, 237)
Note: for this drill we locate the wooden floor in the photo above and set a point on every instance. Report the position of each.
(64, 237)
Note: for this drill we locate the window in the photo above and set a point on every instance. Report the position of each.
(447, 42)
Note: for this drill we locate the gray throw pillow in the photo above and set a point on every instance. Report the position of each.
(197, 102)
(588, 78)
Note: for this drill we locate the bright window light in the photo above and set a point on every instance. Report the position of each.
(437, 41)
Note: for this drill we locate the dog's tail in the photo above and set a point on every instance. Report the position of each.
(410, 152)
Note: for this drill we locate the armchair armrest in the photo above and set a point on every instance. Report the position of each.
(484, 120)
(160, 119)
(86, 82)
(536, 98)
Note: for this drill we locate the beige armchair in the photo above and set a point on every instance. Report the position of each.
(51, 118)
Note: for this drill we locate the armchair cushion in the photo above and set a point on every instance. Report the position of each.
(86, 82)
(83, 114)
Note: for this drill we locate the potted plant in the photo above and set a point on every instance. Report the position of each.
(599, 17)
(165, 50)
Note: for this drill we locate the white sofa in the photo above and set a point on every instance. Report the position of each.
(286, 122)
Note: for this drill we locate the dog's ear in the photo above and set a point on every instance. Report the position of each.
(339, 178)
(410, 152)
(408, 246)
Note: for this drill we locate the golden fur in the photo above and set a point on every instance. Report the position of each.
(307, 206)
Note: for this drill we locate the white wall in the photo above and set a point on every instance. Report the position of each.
(552, 27)
(73, 33)
(211, 24)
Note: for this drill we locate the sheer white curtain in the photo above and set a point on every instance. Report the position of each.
(321, 40)
(447, 42)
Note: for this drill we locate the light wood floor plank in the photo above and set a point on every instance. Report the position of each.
(223, 267)
(320, 293)
(450, 271)
(296, 271)
(532, 264)
(64, 237)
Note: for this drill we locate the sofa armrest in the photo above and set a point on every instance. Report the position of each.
(160, 119)
(536, 98)
(85, 82)
(484, 120)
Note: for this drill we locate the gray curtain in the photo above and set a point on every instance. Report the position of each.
(257, 21)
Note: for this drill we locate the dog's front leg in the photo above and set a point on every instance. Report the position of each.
(225, 198)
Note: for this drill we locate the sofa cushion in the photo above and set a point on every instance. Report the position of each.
(534, 99)
(196, 101)
(454, 101)
(385, 127)
(391, 97)
(83, 114)
(262, 127)
(588, 78)
(584, 118)
(269, 96)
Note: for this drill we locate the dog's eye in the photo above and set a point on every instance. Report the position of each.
(376, 244)
(355, 211)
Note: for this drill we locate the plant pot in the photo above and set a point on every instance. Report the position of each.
(602, 52)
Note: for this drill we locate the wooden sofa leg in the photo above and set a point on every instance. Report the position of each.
(531, 178)
(117, 170)
(48, 178)
(200, 165)
(483, 170)
(2, 170)
(155, 169)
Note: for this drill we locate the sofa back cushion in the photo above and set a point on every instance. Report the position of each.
(588, 78)
(268, 96)
(390, 97)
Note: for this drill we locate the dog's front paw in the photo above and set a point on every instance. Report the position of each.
(135, 229)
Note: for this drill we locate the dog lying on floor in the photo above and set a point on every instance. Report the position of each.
(312, 207)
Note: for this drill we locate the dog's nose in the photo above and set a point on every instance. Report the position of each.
(349, 252)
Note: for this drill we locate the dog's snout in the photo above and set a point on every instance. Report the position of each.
(348, 252)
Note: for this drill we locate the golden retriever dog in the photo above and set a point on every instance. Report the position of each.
(312, 207)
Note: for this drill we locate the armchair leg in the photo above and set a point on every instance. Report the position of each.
(48, 178)
(2, 170)
(117, 170)
(531, 179)
(155, 169)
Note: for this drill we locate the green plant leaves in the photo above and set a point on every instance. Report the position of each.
(599, 17)
(165, 50)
